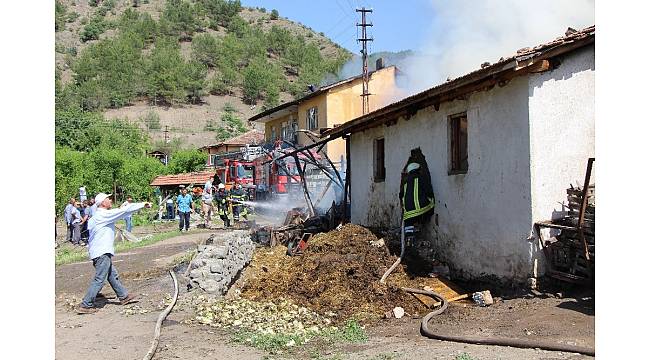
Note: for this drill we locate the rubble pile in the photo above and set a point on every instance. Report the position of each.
(219, 261)
(339, 273)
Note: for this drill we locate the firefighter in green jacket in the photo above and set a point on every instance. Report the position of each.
(238, 196)
(222, 198)
(418, 201)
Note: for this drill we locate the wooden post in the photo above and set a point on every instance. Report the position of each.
(304, 185)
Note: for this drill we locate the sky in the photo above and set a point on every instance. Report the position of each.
(450, 38)
(396, 26)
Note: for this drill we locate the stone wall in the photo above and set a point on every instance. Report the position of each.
(217, 263)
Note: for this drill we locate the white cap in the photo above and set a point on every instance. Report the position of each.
(412, 166)
(222, 186)
(99, 198)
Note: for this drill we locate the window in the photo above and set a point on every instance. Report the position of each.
(312, 118)
(284, 132)
(458, 144)
(379, 166)
(272, 133)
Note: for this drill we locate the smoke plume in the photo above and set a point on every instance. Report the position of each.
(463, 34)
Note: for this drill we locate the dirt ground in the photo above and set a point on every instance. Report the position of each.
(125, 332)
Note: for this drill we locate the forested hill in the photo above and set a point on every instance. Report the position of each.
(196, 68)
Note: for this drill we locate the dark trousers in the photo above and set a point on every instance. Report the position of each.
(170, 211)
(184, 220)
(68, 235)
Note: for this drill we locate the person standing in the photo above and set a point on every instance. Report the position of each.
(82, 194)
(84, 221)
(239, 196)
(101, 250)
(170, 209)
(206, 203)
(76, 224)
(67, 214)
(417, 198)
(222, 198)
(185, 206)
(128, 219)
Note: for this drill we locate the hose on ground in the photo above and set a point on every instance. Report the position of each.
(161, 318)
(399, 259)
(519, 343)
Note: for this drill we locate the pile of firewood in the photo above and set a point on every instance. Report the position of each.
(568, 251)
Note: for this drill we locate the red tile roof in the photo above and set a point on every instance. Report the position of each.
(183, 179)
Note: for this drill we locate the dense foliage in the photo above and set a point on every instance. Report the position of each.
(143, 58)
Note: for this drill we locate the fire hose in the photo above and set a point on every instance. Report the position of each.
(399, 259)
(518, 343)
(161, 318)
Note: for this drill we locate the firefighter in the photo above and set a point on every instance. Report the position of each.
(418, 201)
(222, 198)
(239, 195)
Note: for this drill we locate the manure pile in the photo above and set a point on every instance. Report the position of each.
(338, 276)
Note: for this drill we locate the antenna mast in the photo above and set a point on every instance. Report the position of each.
(364, 55)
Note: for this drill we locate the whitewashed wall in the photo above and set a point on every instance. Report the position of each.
(485, 217)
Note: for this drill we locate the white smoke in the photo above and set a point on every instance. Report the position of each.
(464, 34)
(467, 33)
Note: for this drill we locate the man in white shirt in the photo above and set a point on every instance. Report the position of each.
(101, 250)
(206, 202)
(67, 214)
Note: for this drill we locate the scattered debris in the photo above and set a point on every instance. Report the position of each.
(398, 312)
(483, 298)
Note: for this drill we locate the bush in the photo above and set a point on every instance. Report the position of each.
(210, 126)
(274, 14)
(93, 29)
(224, 82)
(231, 126)
(93, 3)
(152, 120)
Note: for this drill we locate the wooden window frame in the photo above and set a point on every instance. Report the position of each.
(458, 165)
(315, 118)
(379, 159)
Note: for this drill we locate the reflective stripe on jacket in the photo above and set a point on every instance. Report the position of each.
(415, 202)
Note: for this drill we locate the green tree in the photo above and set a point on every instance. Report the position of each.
(195, 83)
(179, 19)
(274, 14)
(165, 72)
(113, 69)
(221, 12)
(205, 49)
(59, 16)
(184, 161)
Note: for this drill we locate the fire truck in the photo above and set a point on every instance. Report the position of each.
(262, 181)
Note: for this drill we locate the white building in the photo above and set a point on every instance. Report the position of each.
(526, 125)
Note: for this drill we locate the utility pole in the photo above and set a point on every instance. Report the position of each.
(364, 54)
(166, 133)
